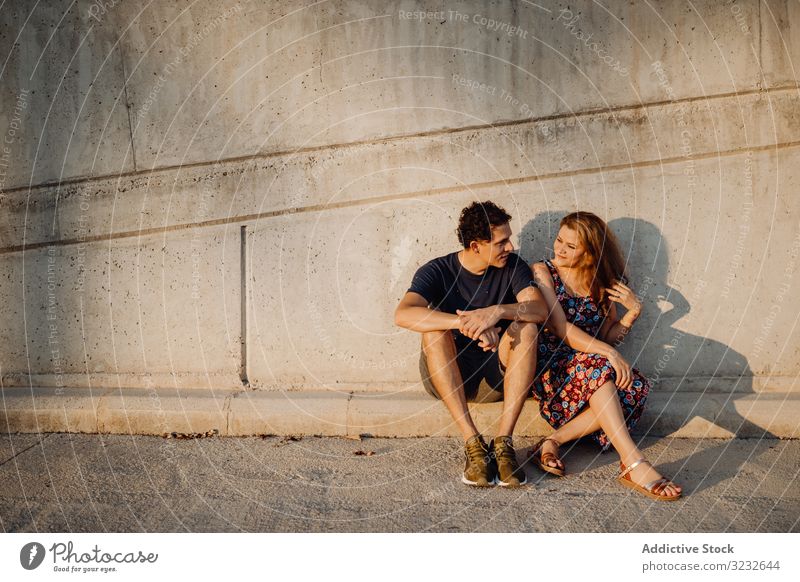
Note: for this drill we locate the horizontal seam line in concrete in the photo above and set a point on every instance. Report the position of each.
(102, 401)
(394, 138)
(772, 385)
(17, 454)
(395, 197)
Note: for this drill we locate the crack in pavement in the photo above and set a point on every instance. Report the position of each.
(17, 454)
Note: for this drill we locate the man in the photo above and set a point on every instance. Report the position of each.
(477, 310)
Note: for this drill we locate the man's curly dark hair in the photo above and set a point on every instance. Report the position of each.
(477, 220)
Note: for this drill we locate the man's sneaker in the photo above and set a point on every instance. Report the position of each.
(509, 473)
(479, 470)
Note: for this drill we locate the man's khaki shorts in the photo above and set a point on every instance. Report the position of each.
(482, 374)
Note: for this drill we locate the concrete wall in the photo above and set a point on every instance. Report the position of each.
(345, 137)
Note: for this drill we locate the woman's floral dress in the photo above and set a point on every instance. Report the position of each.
(566, 378)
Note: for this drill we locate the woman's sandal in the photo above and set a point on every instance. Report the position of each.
(654, 489)
(542, 459)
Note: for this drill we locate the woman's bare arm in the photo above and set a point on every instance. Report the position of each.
(572, 335)
(616, 328)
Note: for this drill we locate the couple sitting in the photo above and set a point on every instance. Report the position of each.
(480, 311)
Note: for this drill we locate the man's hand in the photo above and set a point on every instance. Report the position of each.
(474, 323)
(490, 339)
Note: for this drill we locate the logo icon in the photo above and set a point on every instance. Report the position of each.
(31, 555)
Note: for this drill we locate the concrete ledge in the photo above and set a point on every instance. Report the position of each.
(49, 409)
(387, 414)
(407, 414)
(289, 413)
(777, 413)
(156, 412)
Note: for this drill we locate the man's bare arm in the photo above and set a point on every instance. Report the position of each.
(413, 313)
(531, 308)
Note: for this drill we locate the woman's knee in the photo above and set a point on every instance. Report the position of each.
(605, 390)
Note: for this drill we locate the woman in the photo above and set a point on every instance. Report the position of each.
(584, 386)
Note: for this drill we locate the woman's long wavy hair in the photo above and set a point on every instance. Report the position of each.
(602, 262)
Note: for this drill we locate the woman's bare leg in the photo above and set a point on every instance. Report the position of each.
(582, 425)
(608, 411)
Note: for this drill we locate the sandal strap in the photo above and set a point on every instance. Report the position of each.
(547, 457)
(663, 481)
(632, 466)
(538, 446)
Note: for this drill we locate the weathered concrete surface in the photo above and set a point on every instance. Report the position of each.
(341, 413)
(704, 316)
(483, 157)
(194, 82)
(63, 72)
(346, 137)
(160, 311)
(87, 483)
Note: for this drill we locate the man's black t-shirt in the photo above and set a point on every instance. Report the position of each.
(447, 285)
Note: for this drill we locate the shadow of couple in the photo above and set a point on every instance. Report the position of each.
(668, 355)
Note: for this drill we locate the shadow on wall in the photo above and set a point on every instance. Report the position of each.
(661, 351)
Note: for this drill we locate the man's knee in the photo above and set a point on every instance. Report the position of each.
(437, 340)
(524, 331)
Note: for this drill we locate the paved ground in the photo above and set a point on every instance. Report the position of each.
(62, 482)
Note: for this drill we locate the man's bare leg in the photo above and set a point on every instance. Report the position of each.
(517, 352)
(439, 348)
